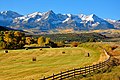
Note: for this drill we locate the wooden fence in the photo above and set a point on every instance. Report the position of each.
(77, 71)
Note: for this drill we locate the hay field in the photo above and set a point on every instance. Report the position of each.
(18, 64)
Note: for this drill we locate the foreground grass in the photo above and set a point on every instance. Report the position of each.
(18, 64)
(114, 74)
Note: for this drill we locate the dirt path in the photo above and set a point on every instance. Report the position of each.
(104, 56)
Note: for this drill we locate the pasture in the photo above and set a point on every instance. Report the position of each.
(18, 64)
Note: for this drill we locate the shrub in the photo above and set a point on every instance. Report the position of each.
(74, 44)
(60, 44)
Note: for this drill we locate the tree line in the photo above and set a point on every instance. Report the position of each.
(17, 40)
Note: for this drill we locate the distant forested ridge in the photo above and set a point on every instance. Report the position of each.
(70, 37)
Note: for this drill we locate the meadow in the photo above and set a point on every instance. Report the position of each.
(18, 64)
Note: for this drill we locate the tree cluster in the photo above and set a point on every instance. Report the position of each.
(46, 42)
(12, 39)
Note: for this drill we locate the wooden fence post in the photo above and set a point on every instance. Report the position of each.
(68, 73)
(80, 71)
(93, 68)
(85, 70)
(100, 65)
(74, 72)
(53, 76)
(61, 76)
(43, 78)
(97, 66)
(88, 68)
(103, 64)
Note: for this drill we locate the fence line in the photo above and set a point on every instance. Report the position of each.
(78, 71)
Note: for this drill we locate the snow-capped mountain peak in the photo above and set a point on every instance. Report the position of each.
(35, 14)
(82, 16)
(69, 15)
(50, 20)
(90, 17)
(6, 17)
(11, 14)
(50, 12)
(49, 15)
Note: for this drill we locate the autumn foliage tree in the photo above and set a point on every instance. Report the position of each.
(2, 43)
(28, 40)
(12, 40)
(75, 44)
(46, 42)
(41, 41)
(61, 44)
(50, 43)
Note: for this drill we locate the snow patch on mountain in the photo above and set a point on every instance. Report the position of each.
(95, 24)
(66, 20)
(110, 20)
(35, 14)
(89, 18)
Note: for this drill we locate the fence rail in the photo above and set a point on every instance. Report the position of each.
(78, 71)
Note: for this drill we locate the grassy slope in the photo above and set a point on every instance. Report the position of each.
(113, 75)
(18, 64)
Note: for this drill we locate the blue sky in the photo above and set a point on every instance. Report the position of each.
(102, 8)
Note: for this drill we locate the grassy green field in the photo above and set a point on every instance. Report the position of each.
(18, 64)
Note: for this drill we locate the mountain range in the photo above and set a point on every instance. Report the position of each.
(50, 21)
